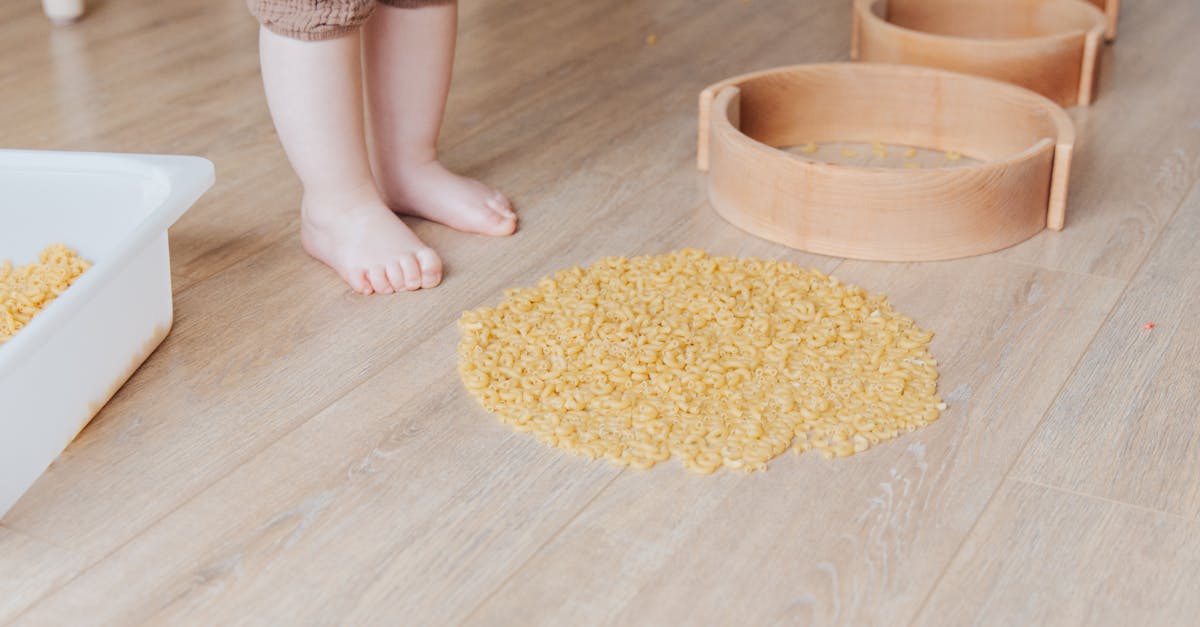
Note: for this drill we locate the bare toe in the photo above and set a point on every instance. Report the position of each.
(431, 268)
(499, 203)
(368, 246)
(360, 282)
(432, 192)
(412, 272)
(357, 282)
(395, 275)
(506, 225)
(379, 280)
(491, 222)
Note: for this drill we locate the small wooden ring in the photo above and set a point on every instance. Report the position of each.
(1049, 46)
(1023, 140)
(1112, 11)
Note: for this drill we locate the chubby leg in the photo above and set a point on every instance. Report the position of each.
(409, 54)
(314, 91)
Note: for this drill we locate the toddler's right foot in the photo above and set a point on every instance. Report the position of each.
(368, 246)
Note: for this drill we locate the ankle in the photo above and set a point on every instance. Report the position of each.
(408, 160)
(330, 200)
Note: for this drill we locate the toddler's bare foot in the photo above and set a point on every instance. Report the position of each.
(432, 192)
(372, 250)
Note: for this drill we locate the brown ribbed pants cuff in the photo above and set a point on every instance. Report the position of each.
(316, 20)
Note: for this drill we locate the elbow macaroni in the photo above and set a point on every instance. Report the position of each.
(717, 361)
(26, 290)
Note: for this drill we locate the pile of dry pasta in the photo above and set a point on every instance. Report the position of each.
(717, 361)
(26, 290)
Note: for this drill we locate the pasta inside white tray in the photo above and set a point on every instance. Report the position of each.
(57, 372)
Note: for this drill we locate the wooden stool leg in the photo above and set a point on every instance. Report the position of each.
(63, 11)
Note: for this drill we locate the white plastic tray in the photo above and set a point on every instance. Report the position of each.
(58, 371)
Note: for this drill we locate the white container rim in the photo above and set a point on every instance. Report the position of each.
(178, 182)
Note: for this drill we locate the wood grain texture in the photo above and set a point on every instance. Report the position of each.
(1040, 556)
(298, 358)
(811, 541)
(31, 568)
(1048, 46)
(426, 484)
(299, 455)
(1127, 179)
(311, 307)
(431, 493)
(1126, 424)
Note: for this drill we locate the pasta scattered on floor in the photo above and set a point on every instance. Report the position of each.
(26, 290)
(717, 361)
(877, 154)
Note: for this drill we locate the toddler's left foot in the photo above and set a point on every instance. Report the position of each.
(432, 192)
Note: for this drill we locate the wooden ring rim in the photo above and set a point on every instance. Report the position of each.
(722, 100)
(1052, 64)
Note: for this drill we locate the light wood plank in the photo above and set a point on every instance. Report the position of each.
(1044, 557)
(430, 501)
(1138, 150)
(28, 568)
(854, 541)
(215, 418)
(308, 348)
(416, 478)
(103, 85)
(297, 453)
(1126, 426)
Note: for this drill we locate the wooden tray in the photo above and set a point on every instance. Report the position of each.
(1049, 46)
(1023, 142)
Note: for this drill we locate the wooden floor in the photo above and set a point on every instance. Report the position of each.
(296, 454)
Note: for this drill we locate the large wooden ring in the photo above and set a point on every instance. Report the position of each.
(1049, 46)
(1023, 141)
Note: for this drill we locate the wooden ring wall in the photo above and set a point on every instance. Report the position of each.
(1049, 46)
(1112, 10)
(1023, 139)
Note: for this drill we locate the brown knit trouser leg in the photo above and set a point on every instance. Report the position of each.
(315, 20)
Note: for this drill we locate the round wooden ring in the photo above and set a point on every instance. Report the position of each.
(1112, 10)
(1023, 141)
(1049, 46)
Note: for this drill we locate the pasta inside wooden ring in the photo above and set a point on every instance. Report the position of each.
(1023, 140)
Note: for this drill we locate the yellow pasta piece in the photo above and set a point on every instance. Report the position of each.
(952, 155)
(716, 361)
(878, 149)
(27, 290)
(910, 153)
(809, 148)
(849, 152)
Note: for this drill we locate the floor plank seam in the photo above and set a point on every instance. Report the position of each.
(1050, 268)
(1105, 499)
(35, 537)
(1016, 457)
(330, 524)
(533, 554)
(1049, 407)
(184, 502)
(350, 390)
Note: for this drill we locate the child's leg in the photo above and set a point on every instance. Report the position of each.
(314, 90)
(409, 53)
